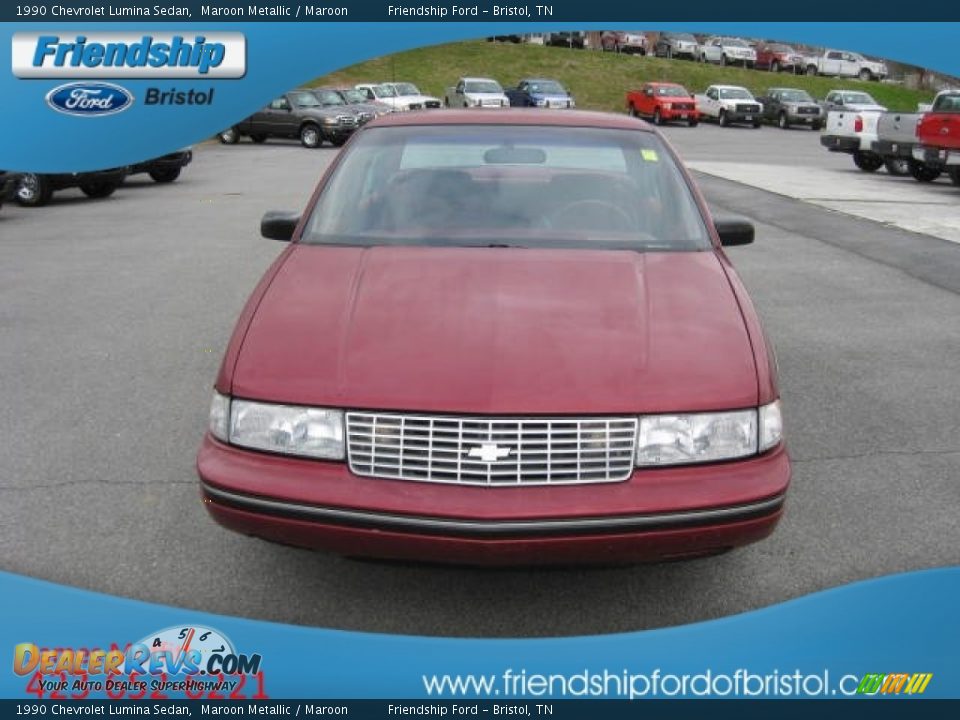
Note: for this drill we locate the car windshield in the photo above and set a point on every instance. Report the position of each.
(947, 103)
(304, 99)
(384, 91)
(858, 98)
(795, 96)
(733, 42)
(352, 95)
(482, 86)
(328, 97)
(504, 185)
(546, 86)
(735, 94)
(672, 91)
(406, 89)
(781, 49)
(685, 37)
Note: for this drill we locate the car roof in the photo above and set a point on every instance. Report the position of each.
(786, 89)
(482, 79)
(662, 83)
(729, 87)
(516, 116)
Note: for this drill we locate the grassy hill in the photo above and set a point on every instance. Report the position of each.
(597, 80)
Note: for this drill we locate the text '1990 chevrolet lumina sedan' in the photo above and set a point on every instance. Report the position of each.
(500, 338)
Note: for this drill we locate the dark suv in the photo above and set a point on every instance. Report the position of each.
(296, 114)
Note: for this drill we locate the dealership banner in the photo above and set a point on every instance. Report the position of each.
(91, 85)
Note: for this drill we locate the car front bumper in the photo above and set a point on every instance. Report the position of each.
(656, 514)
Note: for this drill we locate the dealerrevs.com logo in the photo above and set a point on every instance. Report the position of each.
(131, 55)
(89, 99)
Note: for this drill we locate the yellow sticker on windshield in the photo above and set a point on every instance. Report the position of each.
(650, 155)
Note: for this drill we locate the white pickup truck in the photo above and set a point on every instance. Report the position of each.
(840, 63)
(728, 104)
(855, 132)
(476, 92)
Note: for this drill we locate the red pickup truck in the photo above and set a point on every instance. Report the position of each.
(663, 102)
(939, 135)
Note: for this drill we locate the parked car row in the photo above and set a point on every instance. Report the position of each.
(924, 144)
(32, 189)
(663, 102)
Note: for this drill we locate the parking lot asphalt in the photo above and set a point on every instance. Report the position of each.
(115, 314)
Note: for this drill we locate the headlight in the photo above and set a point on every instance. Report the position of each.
(541, 103)
(287, 429)
(668, 106)
(330, 121)
(703, 437)
(771, 426)
(220, 416)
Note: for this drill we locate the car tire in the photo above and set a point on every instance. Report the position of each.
(868, 162)
(723, 60)
(657, 117)
(339, 141)
(722, 119)
(921, 172)
(783, 122)
(99, 188)
(811, 70)
(230, 136)
(259, 138)
(446, 102)
(167, 175)
(757, 124)
(33, 190)
(898, 167)
(693, 123)
(865, 75)
(817, 126)
(311, 136)
(954, 173)
(632, 111)
(775, 66)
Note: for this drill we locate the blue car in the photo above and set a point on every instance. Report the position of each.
(540, 92)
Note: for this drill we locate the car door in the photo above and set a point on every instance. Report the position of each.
(712, 50)
(834, 101)
(713, 101)
(646, 101)
(833, 63)
(281, 120)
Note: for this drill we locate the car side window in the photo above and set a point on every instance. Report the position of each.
(834, 56)
(712, 94)
(459, 87)
(280, 104)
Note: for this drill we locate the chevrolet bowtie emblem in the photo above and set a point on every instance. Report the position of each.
(488, 452)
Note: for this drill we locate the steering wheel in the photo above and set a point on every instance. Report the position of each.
(591, 214)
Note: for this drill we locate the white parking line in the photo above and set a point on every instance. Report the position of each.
(929, 208)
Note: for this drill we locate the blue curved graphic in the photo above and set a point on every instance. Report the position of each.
(901, 623)
(280, 56)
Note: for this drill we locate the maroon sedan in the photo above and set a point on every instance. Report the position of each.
(500, 338)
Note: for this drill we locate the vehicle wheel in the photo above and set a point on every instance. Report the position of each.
(811, 70)
(446, 103)
(165, 176)
(868, 162)
(339, 141)
(643, 52)
(722, 119)
(922, 172)
(723, 59)
(99, 189)
(817, 126)
(34, 190)
(865, 75)
(775, 66)
(259, 138)
(657, 117)
(632, 111)
(669, 53)
(229, 136)
(954, 175)
(310, 136)
(782, 122)
(757, 124)
(898, 167)
(693, 123)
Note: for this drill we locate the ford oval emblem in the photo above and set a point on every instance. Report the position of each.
(89, 99)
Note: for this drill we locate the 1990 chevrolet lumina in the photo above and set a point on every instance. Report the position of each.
(500, 338)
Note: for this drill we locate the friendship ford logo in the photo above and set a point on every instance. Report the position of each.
(89, 99)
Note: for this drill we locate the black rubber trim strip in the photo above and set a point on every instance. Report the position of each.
(493, 528)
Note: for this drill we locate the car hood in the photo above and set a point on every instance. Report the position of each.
(498, 331)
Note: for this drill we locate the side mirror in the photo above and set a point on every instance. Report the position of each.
(734, 231)
(279, 225)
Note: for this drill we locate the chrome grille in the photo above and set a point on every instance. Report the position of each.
(347, 120)
(501, 451)
(747, 108)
